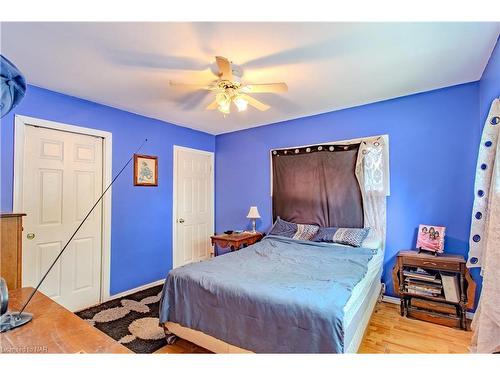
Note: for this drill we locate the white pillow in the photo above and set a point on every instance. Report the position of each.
(372, 241)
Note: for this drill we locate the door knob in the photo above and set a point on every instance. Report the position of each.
(181, 220)
(30, 236)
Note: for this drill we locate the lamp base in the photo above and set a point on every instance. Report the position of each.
(13, 320)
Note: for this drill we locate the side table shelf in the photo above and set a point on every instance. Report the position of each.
(418, 280)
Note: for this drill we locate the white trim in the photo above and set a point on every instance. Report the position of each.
(176, 149)
(135, 290)
(19, 140)
(391, 299)
(195, 150)
(397, 301)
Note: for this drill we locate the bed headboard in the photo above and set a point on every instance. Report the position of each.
(317, 185)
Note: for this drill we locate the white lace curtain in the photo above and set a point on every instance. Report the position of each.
(372, 171)
(485, 236)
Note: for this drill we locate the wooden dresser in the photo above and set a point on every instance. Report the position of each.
(427, 300)
(11, 260)
(53, 330)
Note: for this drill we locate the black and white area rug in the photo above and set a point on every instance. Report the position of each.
(131, 320)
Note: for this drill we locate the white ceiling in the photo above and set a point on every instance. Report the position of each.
(327, 66)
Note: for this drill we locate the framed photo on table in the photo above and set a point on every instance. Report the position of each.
(431, 238)
(145, 170)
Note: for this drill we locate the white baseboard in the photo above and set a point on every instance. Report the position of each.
(134, 290)
(396, 301)
(390, 299)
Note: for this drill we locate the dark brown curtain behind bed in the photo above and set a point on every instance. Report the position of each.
(317, 185)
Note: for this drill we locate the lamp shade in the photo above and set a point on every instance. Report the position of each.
(253, 213)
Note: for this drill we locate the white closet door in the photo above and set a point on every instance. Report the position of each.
(62, 178)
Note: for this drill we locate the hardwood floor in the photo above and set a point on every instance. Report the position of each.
(387, 332)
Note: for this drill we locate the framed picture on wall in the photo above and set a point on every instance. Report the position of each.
(145, 170)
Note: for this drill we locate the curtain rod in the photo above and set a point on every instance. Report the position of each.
(334, 143)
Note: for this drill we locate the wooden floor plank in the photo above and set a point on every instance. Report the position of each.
(388, 332)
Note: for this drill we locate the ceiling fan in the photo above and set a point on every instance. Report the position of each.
(228, 89)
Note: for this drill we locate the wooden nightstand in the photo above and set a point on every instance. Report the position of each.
(235, 241)
(433, 307)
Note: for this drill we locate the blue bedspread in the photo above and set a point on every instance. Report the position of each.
(277, 296)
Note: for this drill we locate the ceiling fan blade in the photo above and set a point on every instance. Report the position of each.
(212, 105)
(328, 49)
(192, 99)
(156, 61)
(265, 87)
(255, 103)
(191, 86)
(224, 68)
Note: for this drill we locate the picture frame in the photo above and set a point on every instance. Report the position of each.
(145, 170)
(431, 238)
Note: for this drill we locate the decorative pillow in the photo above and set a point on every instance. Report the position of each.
(344, 236)
(305, 232)
(350, 236)
(283, 228)
(324, 234)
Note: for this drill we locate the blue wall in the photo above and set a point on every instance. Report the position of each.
(489, 85)
(141, 249)
(433, 147)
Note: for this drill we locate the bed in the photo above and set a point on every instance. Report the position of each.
(283, 295)
(277, 296)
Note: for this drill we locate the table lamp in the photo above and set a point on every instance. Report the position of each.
(253, 214)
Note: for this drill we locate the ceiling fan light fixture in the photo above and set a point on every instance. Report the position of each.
(225, 107)
(222, 98)
(240, 103)
(225, 110)
(224, 103)
(229, 89)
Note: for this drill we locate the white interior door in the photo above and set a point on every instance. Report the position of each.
(193, 205)
(62, 178)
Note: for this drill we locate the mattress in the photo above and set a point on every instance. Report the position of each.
(361, 290)
(359, 308)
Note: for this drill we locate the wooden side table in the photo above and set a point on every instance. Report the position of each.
(235, 241)
(434, 308)
(53, 330)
